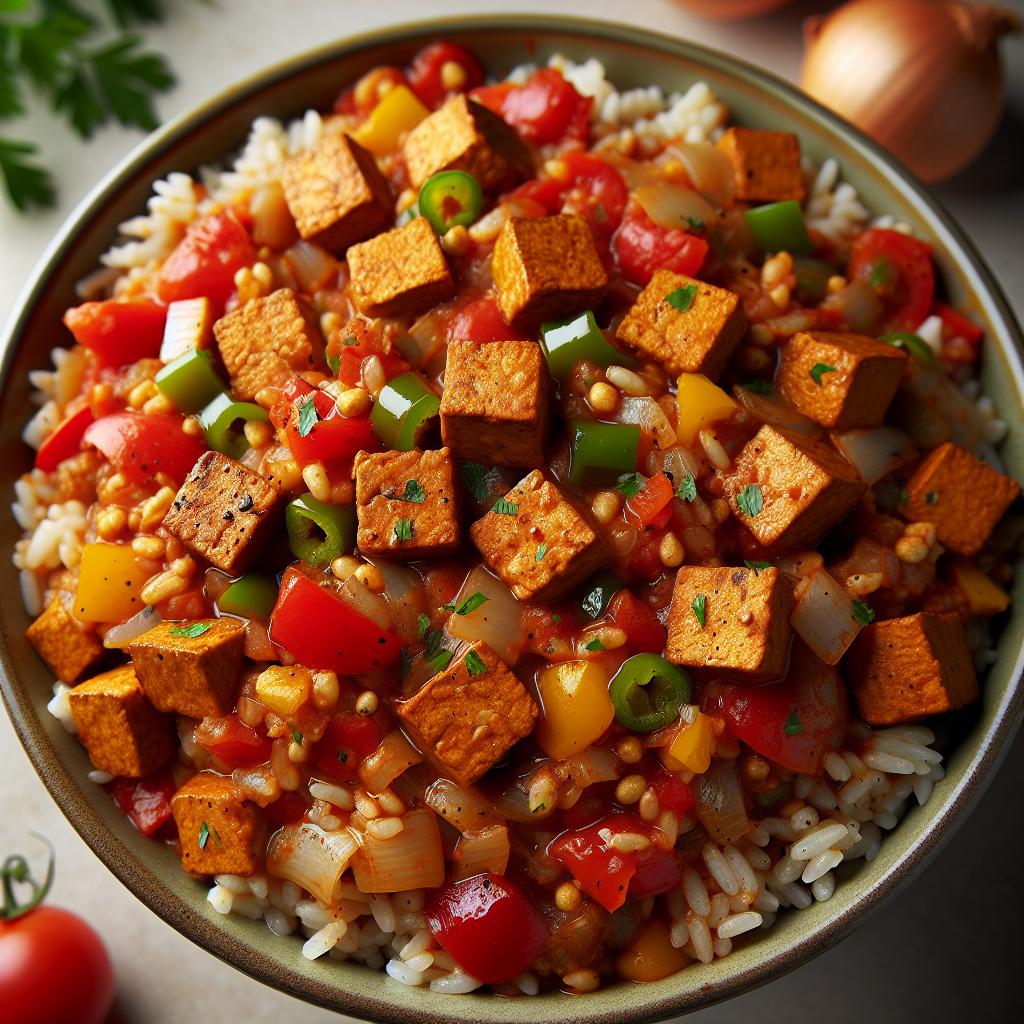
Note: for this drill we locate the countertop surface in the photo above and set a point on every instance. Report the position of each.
(947, 949)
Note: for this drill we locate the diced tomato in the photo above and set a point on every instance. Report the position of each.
(794, 723)
(479, 320)
(591, 806)
(656, 495)
(322, 631)
(287, 809)
(958, 325)
(442, 582)
(673, 794)
(547, 194)
(596, 191)
(353, 343)
(545, 109)
(544, 624)
(140, 445)
(190, 605)
(118, 333)
(645, 559)
(348, 740)
(65, 441)
(900, 269)
(642, 247)
(487, 925)
(147, 802)
(636, 618)
(426, 72)
(235, 744)
(205, 261)
(657, 871)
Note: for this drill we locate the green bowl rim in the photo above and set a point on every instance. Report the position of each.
(141, 880)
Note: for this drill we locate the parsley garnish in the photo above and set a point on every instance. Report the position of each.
(471, 603)
(750, 500)
(556, 619)
(403, 530)
(422, 624)
(682, 298)
(475, 664)
(699, 607)
(695, 223)
(880, 273)
(349, 341)
(793, 724)
(505, 508)
(413, 493)
(756, 565)
(932, 497)
(630, 484)
(863, 613)
(818, 370)
(192, 630)
(759, 386)
(343, 757)
(204, 836)
(687, 488)
(473, 478)
(593, 645)
(297, 736)
(902, 497)
(440, 660)
(541, 552)
(307, 416)
(334, 363)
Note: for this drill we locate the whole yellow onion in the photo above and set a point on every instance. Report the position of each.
(730, 9)
(921, 77)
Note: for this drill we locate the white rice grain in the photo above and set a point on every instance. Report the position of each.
(738, 924)
(60, 707)
(696, 893)
(720, 870)
(324, 940)
(455, 983)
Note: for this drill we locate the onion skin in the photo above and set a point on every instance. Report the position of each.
(921, 77)
(731, 10)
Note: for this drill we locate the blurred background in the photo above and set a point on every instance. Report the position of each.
(941, 951)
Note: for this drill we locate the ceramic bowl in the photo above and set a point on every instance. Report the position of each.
(632, 58)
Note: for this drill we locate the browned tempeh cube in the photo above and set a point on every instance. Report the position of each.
(216, 829)
(196, 676)
(467, 717)
(745, 616)
(961, 495)
(766, 165)
(267, 341)
(124, 734)
(839, 380)
(545, 268)
(406, 503)
(336, 193)
(543, 548)
(803, 488)
(689, 326)
(495, 407)
(907, 668)
(63, 643)
(224, 512)
(400, 273)
(466, 136)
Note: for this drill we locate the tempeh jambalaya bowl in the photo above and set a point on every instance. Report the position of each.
(516, 534)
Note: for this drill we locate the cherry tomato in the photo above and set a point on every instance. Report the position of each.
(642, 247)
(545, 109)
(118, 333)
(147, 802)
(235, 744)
(636, 618)
(349, 738)
(348, 348)
(427, 72)
(479, 320)
(900, 269)
(487, 925)
(957, 324)
(141, 445)
(595, 191)
(205, 261)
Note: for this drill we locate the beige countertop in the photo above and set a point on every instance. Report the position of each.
(925, 963)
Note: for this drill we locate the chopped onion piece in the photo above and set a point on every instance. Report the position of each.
(720, 806)
(486, 851)
(673, 206)
(272, 222)
(359, 597)
(774, 411)
(463, 807)
(413, 859)
(312, 267)
(498, 622)
(709, 171)
(312, 858)
(131, 629)
(823, 616)
(597, 764)
(651, 418)
(874, 453)
(678, 461)
(381, 767)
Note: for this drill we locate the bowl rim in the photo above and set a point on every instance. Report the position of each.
(145, 884)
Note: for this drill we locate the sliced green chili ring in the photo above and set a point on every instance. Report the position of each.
(251, 597)
(914, 345)
(779, 227)
(220, 420)
(647, 692)
(598, 593)
(403, 411)
(451, 199)
(568, 342)
(190, 381)
(812, 277)
(599, 453)
(317, 532)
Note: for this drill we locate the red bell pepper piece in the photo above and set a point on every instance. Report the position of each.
(323, 632)
(205, 261)
(118, 333)
(235, 744)
(353, 343)
(641, 247)
(544, 109)
(140, 446)
(957, 324)
(673, 794)
(346, 742)
(425, 72)
(637, 619)
(65, 441)
(655, 496)
(479, 320)
(900, 269)
(147, 802)
(487, 925)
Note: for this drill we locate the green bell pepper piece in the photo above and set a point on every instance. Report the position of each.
(450, 199)
(600, 452)
(402, 412)
(317, 532)
(251, 597)
(220, 419)
(598, 593)
(779, 227)
(569, 341)
(190, 381)
(914, 345)
(647, 692)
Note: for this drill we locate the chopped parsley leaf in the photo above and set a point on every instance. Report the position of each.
(505, 508)
(440, 660)
(475, 664)
(699, 606)
(695, 223)
(863, 613)
(750, 500)
(593, 645)
(756, 565)
(688, 488)
(342, 756)
(413, 493)
(403, 529)
(307, 416)
(349, 341)
(473, 478)
(204, 836)
(793, 726)
(902, 497)
(192, 630)
(818, 370)
(682, 298)
(297, 736)
(556, 619)
(422, 624)
(471, 603)
(880, 274)
(334, 362)
(759, 386)
(932, 497)
(630, 484)
(541, 552)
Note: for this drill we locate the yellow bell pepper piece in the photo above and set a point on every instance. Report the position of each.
(983, 595)
(577, 708)
(110, 580)
(284, 689)
(701, 403)
(650, 955)
(398, 112)
(694, 744)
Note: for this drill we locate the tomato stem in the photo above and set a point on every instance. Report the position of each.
(16, 870)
